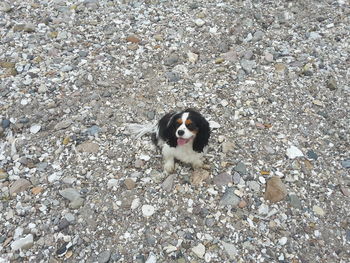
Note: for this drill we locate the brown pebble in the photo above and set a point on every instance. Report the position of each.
(129, 183)
(133, 39)
(275, 190)
(242, 204)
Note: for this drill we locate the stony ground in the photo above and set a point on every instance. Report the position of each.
(271, 76)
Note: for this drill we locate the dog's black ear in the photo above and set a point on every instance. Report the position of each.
(202, 137)
(167, 129)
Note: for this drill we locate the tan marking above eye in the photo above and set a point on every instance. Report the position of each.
(179, 121)
(188, 122)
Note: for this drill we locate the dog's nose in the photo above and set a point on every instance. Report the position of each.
(180, 132)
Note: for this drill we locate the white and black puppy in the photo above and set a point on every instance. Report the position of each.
(180, 135)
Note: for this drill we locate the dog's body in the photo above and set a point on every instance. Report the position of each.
(181, 136)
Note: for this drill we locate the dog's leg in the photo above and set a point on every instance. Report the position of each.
(197, 162)
(169, 160)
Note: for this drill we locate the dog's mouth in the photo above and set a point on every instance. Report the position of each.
(183, 141)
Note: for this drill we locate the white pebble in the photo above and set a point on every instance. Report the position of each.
(199, 250)
(199, 22)
(35, 128)
(135, 203)
(282, 241)
(147, 210)
(293, 152)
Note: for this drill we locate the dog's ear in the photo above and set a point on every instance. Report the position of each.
(167, 127)
(202, 137)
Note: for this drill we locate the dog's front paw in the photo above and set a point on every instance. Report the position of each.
(169, 167)
(197, 164)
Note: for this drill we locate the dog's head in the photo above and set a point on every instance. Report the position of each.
(186, 127)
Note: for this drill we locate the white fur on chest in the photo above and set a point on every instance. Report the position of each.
(183, 153)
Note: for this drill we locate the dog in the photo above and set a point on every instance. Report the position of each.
(181, 136)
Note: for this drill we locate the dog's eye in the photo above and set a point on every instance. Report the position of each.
(179, 121)
(191, 126)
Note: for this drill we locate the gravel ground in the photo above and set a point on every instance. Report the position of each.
(271, 76)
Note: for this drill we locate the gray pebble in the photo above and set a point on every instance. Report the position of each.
(294, 201)
(70, 194)
(5, 123)
(104, 256)
(253, 185)
(171, 60)
(345, 163)
(248, 65)
(240, 168)
(312, 155)
(172, 76)
(223, 179)
(229, 198)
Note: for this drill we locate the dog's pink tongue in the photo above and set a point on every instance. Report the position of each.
(181, 141)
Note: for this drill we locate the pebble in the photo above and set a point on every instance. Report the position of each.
(172, 76)
(199, 22)
(152, 258)
(223, 179)
(236, 178)
(23, 243)
(70, 193)
(5, 7)
(112, 183)
(104, 256)
(258, 35)
(242, 204)
(199, 176)
(345, 191)
(63, 125)
(70, 217)
(275, 190)
(230, 249)
(263, 209)
(295, 201)
(192, 57)
(35, 128)
(19, 185)
(293, 152)
(282, 241)
(75, 204)
(93, 130)
(214, 125)
(171, 60)
(318, 210)
(228, 146)
(167, 185)
(88, 147)
(129, 183)
(240, 168)
(147, 210)
(268, 57)
(66, 68)
(248, 65)
(5, 123)
(345, 163)
(312, 155)
(229, 198)
(199, 250)
(254, 186)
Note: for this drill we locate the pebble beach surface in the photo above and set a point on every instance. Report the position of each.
(271, 77)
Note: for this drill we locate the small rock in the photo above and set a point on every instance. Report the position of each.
(295, 201)
(248, 65)
(35, 128)
(70, 193)
(5, 7)
(345, 163)
(345, 191)
(29, 28)
(236, 178)
(152, 258)
(240, 168)
(93, 130)
(172, 76)
(77, 203)
(133, 39)
(147, 210)
(275, 190)
(19, 186)
(228, 146)
(112, 183)
(88, 147)
(282, 241)
(145, 157)
(258, 35)
(23, 243)
(69, 217)
(167, 185)
(254, 186)
(66, 68)
(331, 83)
(198, 176)
(268, 57)
(104, 256)
(312, 155)
(293, 152)
(263, 209)
(242, 204)
(5, 123)
(37, 190)
(199, 22)
(129, 183)
(214, 125)
(199, 250)
(171, 60)
(223, 179)
(63, 125)
(230, 250)
(229, 198)
(192, 57)
(318, 210)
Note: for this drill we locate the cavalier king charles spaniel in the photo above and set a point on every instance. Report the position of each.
(181, 136)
